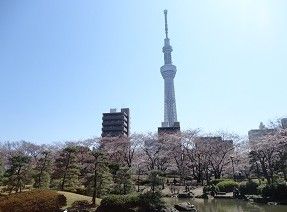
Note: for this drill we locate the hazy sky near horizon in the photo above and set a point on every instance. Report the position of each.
(64, 63)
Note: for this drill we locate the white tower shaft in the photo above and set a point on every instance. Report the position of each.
(168, 71)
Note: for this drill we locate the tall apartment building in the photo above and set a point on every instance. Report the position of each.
(116, 123)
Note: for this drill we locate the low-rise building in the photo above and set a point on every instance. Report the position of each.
(262, 131)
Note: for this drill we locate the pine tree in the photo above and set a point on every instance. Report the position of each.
(67, 169)
(123, 181)
(154, 179)
(42, 170)
(98, 177)
(18, 173)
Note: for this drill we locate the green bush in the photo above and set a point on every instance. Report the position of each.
(125, 201)
(250, 187)
(260, 188)
(151, 201)
(216, 181)
(33, 201)
(227, 185)
(146, 202)
(275, 191)
(80, 203)
(81, 191)
(54, 184)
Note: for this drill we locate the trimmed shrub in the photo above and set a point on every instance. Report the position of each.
(125, 201)
(216, 181)
(151, 201)
(80, 203)
(275, 191)
(250, 187)
(227, 185)
(33, 201)
(146, 202)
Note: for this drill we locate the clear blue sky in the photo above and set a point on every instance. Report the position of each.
(64, 63)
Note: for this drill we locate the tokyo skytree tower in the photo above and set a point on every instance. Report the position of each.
(168, 71)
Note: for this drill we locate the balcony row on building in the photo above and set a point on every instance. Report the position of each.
(116, 123)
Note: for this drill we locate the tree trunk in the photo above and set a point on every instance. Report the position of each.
(216, 175)
(41, 172)
(18, 181)
(95, 185)
(265, 173)
(207, 177)
(65, 173)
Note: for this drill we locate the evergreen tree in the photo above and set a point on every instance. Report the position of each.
(67, 169)
(42, 170)
(154, 179)
(104, 181)
(123, 181)
(18, 173)
(98, 177)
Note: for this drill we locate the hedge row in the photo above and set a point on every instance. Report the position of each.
(33, 201)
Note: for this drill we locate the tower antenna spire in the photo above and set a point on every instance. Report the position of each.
(166, 27)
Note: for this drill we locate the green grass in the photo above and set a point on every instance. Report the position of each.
(72, 197)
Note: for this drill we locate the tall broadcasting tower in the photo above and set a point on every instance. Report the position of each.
(168, 71)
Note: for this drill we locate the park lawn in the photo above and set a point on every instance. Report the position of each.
(72, 197)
